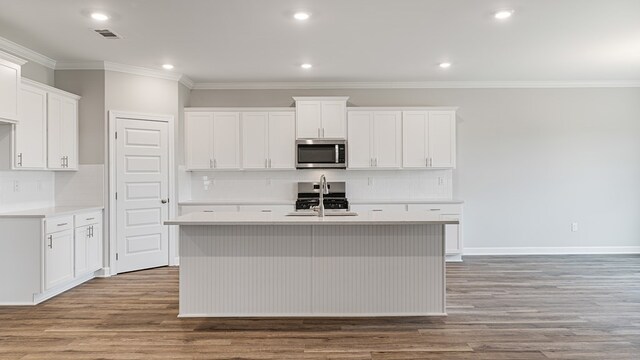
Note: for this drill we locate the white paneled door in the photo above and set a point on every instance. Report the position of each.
(142, 178)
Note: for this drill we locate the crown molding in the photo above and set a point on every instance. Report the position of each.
(186, 81)
(415, 85)
(123, 68)
(28, 54)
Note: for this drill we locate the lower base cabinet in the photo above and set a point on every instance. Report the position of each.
(44, 256)
(58, 258)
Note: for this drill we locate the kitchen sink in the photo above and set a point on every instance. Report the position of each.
(326, 213)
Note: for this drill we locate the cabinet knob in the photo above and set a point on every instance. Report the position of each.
(164, 201)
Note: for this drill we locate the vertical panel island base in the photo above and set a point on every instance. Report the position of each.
(256, 270)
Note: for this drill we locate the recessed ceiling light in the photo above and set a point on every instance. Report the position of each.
(445, 65)
(99, 16)
(301, 16)
(503, 14)
(306, 66)
(167, 66)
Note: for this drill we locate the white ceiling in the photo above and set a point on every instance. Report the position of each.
(345, 40)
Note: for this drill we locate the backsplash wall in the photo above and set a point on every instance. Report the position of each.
(265, 186)
(25, 190)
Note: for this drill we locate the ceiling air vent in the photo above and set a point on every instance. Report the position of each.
(108, 34)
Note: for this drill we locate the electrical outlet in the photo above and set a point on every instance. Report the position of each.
(16, 186)
(574, 227)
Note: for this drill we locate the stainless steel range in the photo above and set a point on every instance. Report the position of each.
(309, 196)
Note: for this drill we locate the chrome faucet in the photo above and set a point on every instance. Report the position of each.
(324, 189)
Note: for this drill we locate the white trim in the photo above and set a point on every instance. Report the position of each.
(36, 57)
(402, 108)
(310, 314)
(320, 98)
(12, 59)
(110, 178)
(574, 250)
(38, 298)
(123, 68)
(236, 109)
(50, 89)
(416, 85)
(186, 81)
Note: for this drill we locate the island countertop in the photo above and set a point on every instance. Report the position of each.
(260, 218)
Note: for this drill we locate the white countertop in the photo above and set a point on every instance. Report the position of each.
(51, 212)
(258, 218)
(292, 202)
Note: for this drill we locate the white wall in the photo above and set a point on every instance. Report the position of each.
(35, 189)
(530, 161)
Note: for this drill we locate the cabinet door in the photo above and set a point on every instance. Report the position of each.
(387, 152)
(362, 208)
(188, 209)
(360, 135)
(62, 134)
(282, 132)
(58, 258)
(334, 124)
(281, 209)
(81, 240)
(198, 128)
(30, 132)
(226, 140)
(94, 248)
(308, 115)
(414, 146)
(254, 140)
(441, 139)
(9, 90)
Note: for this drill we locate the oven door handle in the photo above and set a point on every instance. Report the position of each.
(337, 153)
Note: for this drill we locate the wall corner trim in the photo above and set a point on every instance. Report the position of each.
(574, 250)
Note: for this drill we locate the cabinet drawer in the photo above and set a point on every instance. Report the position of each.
(267, 208)
(378, 207)
(56, 224)
(188, 209)
(437, 208)
(88, 218)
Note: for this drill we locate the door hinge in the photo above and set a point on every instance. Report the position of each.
(116, 134)
(116, 256)
(116, 195)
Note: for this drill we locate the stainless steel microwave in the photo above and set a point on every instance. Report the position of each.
(321, 154)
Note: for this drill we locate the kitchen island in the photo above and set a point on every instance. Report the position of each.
(270, 264)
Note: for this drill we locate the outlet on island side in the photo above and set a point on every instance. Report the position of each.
(574, 226)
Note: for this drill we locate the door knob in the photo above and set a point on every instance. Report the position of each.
(164, 201)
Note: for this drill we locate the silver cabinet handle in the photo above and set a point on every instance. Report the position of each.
(375, 162)
(63, 224)
(265, 210)
(90, 219)
(319, 132)
(269, 163)
(62, 161)
(215, 163)
(430, 162)
(371, 162)
(20, 159)
(50, 237)
(376, 210)
(91, 230)
(210, 163)
(266, 163)
(322, 132)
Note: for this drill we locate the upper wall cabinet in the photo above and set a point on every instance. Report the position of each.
(46, 135)
(10, 76)
(429, 139)
(212, 140)
(321, 117)
(268, 140)
(62, 133)
(375, 139)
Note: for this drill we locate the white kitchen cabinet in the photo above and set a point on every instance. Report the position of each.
(282, 209)
(58, 254)
(375, 139)
(188, 209)
(268, 140)
(226, 140)
(428, 139)
(321, 117)
(88, 243)
(30, 134)
(10, 78)
(62, 134)
(361, 208)
(198, 127)
(212, 140)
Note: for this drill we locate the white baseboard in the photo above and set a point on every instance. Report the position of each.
(104, 272)
(176, 261)
(599, 250)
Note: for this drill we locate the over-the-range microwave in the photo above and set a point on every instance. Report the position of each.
(321, 154)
